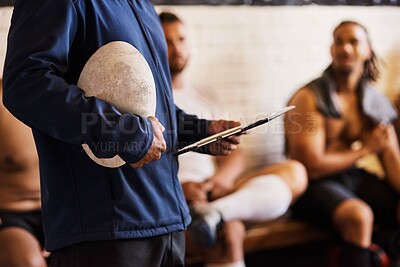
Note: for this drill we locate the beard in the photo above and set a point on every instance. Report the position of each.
(177, 66)
(176, 69)
(344, 71)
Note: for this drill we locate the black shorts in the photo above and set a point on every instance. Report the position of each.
(323, 196)
(31, 221)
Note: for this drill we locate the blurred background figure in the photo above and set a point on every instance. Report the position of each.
(397, 121)
(220, 196)
(21, 232)
(341, 118)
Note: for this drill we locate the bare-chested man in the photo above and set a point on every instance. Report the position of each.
(332, 113)
(21, 234)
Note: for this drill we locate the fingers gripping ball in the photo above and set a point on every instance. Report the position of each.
(119, 74)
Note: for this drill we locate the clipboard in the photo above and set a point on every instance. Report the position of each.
(236, 130)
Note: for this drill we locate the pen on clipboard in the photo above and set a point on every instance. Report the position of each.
(236, 130)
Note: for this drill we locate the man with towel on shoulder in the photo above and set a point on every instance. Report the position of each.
(339, 119)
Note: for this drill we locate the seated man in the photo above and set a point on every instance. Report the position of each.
(333, 112)
(218, 192)
(21, 233)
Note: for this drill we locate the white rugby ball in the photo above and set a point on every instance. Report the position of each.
(119, 74)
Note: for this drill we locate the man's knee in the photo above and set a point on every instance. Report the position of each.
(353, 215)
(296, 177)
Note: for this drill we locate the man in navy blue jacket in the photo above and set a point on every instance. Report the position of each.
(96, 216)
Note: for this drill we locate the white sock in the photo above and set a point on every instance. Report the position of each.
(239, 263)
(263, 198)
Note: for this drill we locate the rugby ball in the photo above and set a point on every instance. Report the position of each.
(119, 74)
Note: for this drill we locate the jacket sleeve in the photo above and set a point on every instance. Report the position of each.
(190, 128)
(36, 92)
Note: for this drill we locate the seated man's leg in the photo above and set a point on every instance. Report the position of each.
(380, 196)
(19, 247)
(331, 204)
(228, 252)
(265, 197)
(291, 171)
(262, 195)
(384, 202)
(353, 218)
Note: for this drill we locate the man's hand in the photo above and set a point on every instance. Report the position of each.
(377, 139)
(211, 189)
(195, 192)
(227, 145)
(158, 146)
(219, 187)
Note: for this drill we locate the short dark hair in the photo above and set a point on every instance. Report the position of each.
(168, 17)
(371, 70)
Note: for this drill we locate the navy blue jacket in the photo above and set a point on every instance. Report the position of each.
(48, 44)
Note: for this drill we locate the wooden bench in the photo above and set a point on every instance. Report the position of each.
(277, 234)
